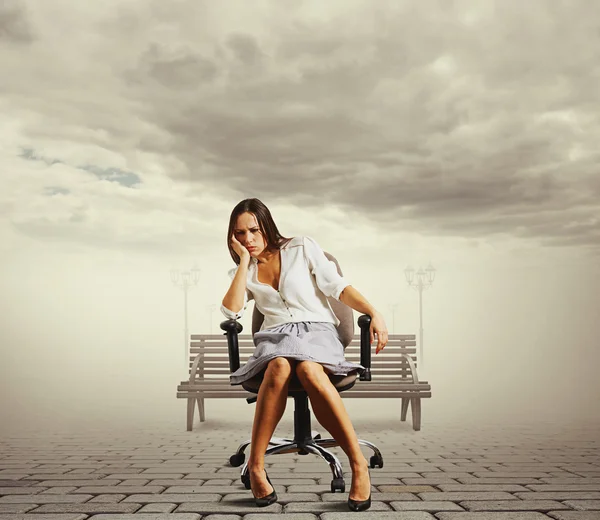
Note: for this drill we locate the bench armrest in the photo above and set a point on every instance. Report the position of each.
(413, 368)
(194, 368)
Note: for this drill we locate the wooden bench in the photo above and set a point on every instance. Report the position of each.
(392, 373)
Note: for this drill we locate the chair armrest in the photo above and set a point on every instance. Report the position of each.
(232, 328)
(364, 322)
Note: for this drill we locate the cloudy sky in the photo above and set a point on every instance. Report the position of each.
(395, 133)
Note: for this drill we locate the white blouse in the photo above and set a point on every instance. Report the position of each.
(307, 277)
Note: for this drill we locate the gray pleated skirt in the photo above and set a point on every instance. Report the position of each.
(316, 341)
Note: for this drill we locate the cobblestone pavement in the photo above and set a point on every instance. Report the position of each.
(445, 471)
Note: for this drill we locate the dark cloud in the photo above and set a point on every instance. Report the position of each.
(14, 23)
(468, 119)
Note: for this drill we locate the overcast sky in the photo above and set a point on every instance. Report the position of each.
(395, 133)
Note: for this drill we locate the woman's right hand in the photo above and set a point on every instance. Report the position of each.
(239, 248)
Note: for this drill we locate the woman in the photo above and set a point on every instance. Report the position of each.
(290, 279)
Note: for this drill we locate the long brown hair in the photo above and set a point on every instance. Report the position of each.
(265, 221)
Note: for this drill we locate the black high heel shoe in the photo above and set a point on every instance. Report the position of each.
(268, 499)
(360, 505)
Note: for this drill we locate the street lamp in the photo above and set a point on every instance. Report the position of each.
(424, 280)
(188, 279)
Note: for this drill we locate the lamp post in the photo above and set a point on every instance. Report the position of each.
(185, 280)
(393, 306)
(424, 280)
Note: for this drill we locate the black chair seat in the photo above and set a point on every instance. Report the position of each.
(295, 388)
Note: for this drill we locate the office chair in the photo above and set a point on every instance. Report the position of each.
(305, 440)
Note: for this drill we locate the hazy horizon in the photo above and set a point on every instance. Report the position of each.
(462, 134)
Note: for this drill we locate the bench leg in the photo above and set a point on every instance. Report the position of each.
(415, 405)
(191, 404)
(405, 403)
(201, 408)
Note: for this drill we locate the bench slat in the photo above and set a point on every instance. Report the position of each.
(371, 387)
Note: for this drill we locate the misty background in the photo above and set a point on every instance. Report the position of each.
(394, 133)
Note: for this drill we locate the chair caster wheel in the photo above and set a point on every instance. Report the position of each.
(237, 459)
(246, 481)
(376, 461)
(338, 484)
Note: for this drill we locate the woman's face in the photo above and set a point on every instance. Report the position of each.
(247, 233)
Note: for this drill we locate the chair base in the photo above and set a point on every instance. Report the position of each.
(305, 441)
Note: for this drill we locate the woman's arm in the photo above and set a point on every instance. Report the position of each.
(352, 298)
(236, 297)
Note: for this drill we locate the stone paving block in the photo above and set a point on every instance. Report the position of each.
(225, 517)
(511, 474)
(196, 482)
(289, 516)
(157, 508)
(16, 483)
(428, 481)
(122, 473)
(145, 516)
(16, 508)
(522, 515)
(512, 505)
(45, 499)
(563, 487)
(558, 495)
(119, 489)
(89, 508)
(379, 515)
(282, 498)
(323, 488)
(10, 475)
(80, 482)
(450, 474)
(573, 515)
(405, 489)
(50, 516)
(289, 481)
(467, 495)
(21, 490)
(584, 505)
(208, 508)
(199, 490)
(380, 497)
(511, 480)
(571, 480)
(509, 488)
(69, 476)
(111, 499)
(177, 498)
(58, 490)
(323, 507)
(424, 505)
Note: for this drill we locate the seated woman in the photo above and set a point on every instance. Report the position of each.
(290, 280)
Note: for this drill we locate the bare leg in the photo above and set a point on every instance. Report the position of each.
(330, 411)
(270, 405)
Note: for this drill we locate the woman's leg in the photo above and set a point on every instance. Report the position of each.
(330, 411)
(270, 405)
